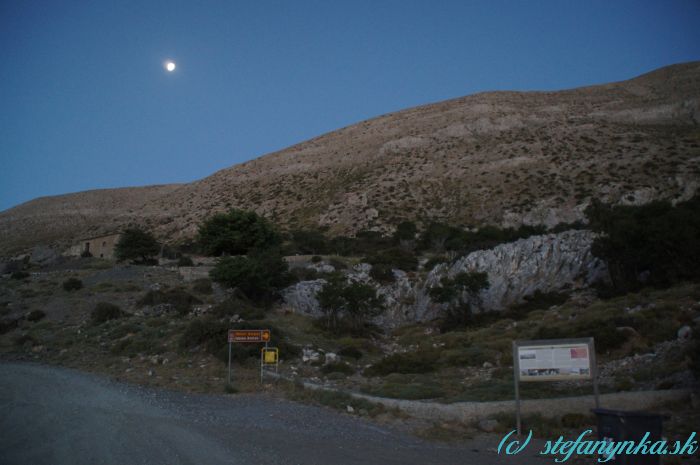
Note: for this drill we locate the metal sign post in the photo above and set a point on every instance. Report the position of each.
(553, 360)
(229, 362)
(268, 356)
(245, 335)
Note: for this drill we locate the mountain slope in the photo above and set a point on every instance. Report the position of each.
(499, 157)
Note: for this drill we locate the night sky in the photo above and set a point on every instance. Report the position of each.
(86, 102)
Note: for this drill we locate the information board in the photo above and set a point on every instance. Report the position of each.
(554, 361)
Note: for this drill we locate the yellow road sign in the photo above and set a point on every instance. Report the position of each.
(270, 355)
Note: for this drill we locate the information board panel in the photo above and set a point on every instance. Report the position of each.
(555, 360)
(249, 335)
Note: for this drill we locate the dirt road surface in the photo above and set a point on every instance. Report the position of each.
(57, 416)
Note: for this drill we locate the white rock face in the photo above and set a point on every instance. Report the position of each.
(540, 263)
(301, 297)
(515, 270)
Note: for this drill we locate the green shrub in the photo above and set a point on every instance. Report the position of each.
(202, 286)
(383, 273)
(206, 332)
(434, 261)
(19, 275)
(178, 298)
(136, 244)
(304, 274)
(105, 311)
(337, 264)
(411, 362)
(467, 356)
(145, 341)
(338, 367)
(23, 339)
(350, 352)
(394, 257)
(538, 300)
(238, 304)
(654, 244)
(259, 276)
(316, 259)
(72, 284)
(348, 306)
(185, 261)
(236, 232)
(35, 315)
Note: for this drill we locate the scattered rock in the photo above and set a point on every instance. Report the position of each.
(487, 365)
(151, 372)
(685, 333)
(310, 356)
(331, 358)
(350, 409)
(488, 425)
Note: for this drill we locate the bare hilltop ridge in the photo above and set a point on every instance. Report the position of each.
(505, 158)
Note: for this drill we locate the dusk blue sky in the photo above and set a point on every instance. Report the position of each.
(85, 102)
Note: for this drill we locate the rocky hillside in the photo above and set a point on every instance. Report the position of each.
(547, 263)
(504, 158)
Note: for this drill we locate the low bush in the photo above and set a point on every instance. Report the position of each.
(316, 259)
(104, 311)
(338, 367)
(178, 298)
(383, 273)
(423, 361)
(202, 286)
(19, 275)
(72, 284)
(537, 301)
(467, 356)
(350, 352)
(238, 304)
(185, 261)
(394, 257)
(35, 315)
(304, 274)
(208, 333)
(145, 341)
(23, 339)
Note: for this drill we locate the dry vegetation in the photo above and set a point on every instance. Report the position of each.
(502, 157)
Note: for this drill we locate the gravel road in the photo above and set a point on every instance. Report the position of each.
(51, 415)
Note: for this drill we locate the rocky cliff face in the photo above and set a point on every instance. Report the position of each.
(515, 270)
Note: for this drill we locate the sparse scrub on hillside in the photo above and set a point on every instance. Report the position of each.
(180, 299)
(202, 286)
(72, 284)
(105, 311)
(422, 361)
(35, 315)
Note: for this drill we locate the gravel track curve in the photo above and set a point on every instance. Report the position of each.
(53, 415)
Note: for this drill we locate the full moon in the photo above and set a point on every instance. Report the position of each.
(170, 66)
